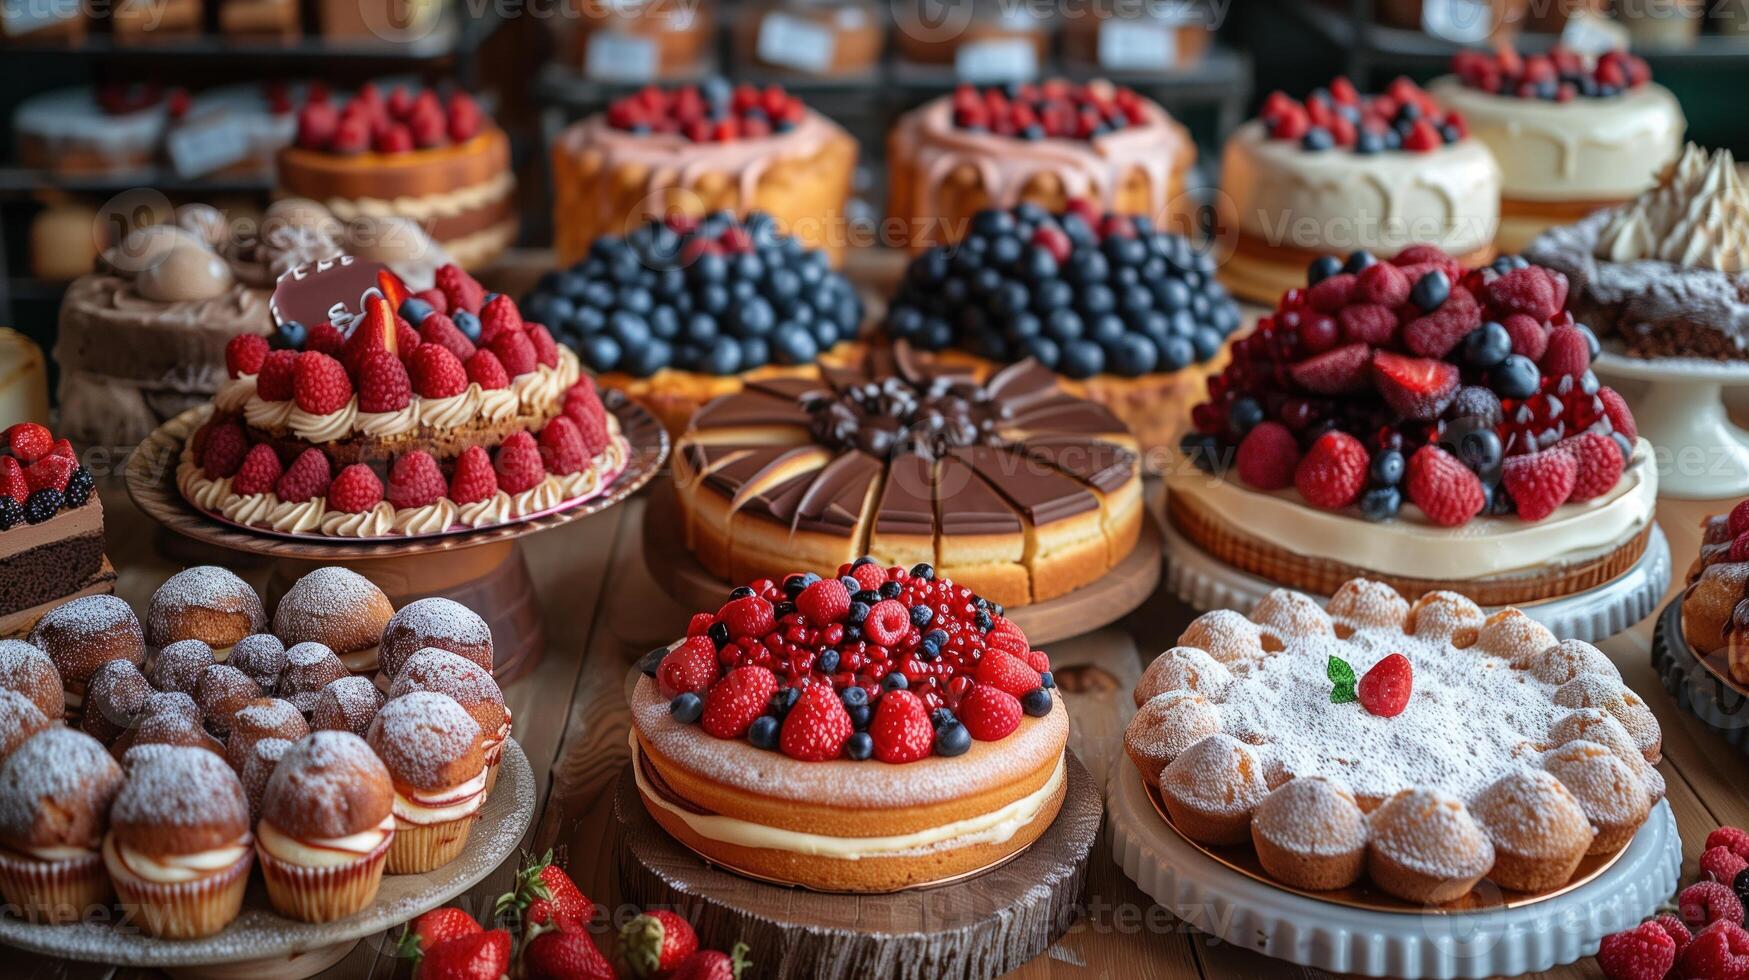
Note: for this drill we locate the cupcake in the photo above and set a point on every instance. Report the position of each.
(435, 622)
(346, 705)
(205, 603)
(327, 827)
(83, 635)
(338, 608)
(179, 846)
(470, 686)
(113, 700)
(27, 670)
(55, 794)
(431, 746)
(19, 720)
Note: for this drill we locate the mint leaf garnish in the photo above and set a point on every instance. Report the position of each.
(1342, 680)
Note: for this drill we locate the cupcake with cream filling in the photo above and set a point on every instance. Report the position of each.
(55, 794)
(432, 748)
(471, 687)
(327, 823)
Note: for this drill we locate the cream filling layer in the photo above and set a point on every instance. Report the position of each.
(322, 852)
(174, 869)
(59, 854)
(425, 809)
(986, 828)
(1412, 546)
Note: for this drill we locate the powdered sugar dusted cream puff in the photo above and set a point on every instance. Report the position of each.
(55, 796)
(205, 603)
(470, 686)
(339, 608)
(259, 719)
(19, 720)
(309, 667)
(439, 623)
(347, 705)
(82, 635)
(114, 699)
(29, 671)
(326, 825)
(432, 748)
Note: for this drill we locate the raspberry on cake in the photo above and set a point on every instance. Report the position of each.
(873, 731)
(433, 158)
(695, 149)
(680, 310)
(1341, 172)
(51, 528)
(1132, 316)
(1572, 132)
(1043, 144)
(383, 431)
(1423, 746)
(1422, 410)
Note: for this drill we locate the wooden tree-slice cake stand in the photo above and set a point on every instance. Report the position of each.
(484, 570)
(1115, 595)
(261, 944)
(1701, 685)
(978, 926)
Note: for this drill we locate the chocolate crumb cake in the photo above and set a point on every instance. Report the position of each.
(1006, 483)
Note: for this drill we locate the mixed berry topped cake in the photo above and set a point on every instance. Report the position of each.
(1392, 411)
(678, 311)
(453, 412)
(1572, 133)
(1007, 484)
(1341, 171)
(872, 731)
(430, 156)
(1132, 316)
(51, 528)
(1044, 144)
(1422, 746)
(1715, 607)
(695, 149)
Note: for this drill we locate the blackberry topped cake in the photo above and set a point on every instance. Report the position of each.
(678, 311)
(695, 149)
(1423, 425)
(453, 412)
(1572, 133)
(1009, 485)
(1131, 316)
(1043, 144)
(1341, 172)
(51, 528)
(875, 730)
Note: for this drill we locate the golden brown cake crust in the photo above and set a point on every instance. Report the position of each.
(328, 785)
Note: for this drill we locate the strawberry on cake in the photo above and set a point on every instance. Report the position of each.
(875, 731)
(1420, 424)
(1341, 172)
(51, 528)
(451, 413)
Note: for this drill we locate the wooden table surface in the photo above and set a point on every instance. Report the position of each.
(603, 610)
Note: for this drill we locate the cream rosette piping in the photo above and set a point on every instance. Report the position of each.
(373, 523)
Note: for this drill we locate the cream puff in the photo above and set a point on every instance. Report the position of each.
(83, 635)
(470, 686)
(309, 667)
(205, 603)
(19, 720)
(259, 719)
(113, 700)
(29, 671)
(339, 608)
(347, 705)
(439, 623)
(432, 748)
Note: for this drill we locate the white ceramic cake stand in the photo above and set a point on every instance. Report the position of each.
(1204, 582)
(1700, 454)
(1216, 899)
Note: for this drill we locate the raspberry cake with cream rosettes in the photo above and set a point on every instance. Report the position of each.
(1423, 746)
(1425, 425)
(871, 732)
(452, 413)
(51, 527)
(1341, 171)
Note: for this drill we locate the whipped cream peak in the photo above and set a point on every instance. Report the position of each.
(1697, 216)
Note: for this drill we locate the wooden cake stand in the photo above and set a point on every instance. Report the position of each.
(978, 926)
(483, 570)
(1701, 685)
(1115, 595)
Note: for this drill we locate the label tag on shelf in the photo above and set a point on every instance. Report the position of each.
(999, 60)
(613, 56)
(796, 42)
(1460, 21)
(207, 145)
(1127, 46)
(328, 291)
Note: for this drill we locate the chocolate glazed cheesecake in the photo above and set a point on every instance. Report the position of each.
(1007, 484)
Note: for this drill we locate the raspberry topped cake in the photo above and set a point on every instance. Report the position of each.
(869, 732)
(1131, 316)
(695, 149)
(1395, 410)
(1423, 747)
(679, 311)
(432, 157)
(51, 528)
(1572, 133)
(1341, 171)
(452, 413)
(1715, 606)
(1043, 144)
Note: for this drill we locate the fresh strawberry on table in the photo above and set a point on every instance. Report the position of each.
(656, 943)
(480, 956)
(555, 955)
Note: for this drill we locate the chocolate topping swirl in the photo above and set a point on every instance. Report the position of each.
(897, 415)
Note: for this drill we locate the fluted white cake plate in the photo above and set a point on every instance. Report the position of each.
(1700, 454)
(1241, 910)
(1205, 582)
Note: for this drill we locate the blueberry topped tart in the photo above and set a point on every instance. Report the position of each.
(678, 311)
(1130, 316)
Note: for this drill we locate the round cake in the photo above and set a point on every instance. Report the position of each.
(1715, 606)
(1572, 134)
(110, 129)
(1422, 746)
(1132, 316)
(696, 149)
(1043, 144)
(1341, 172)
(1395, 410)
(1006, 484)
(868, 733)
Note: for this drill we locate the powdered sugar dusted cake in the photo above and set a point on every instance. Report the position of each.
(1412, 713)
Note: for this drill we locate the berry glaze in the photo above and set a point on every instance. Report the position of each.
(1404, 118)
(915, 666)
(1054, 109)
(1560, 75)
(711, 112)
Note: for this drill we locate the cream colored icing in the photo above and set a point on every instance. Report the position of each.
(300, 518)
(323, 428)
(429, 519)
(1411, 545)
(176, 869)
(254, 508)
(492, 746)
(441, 806)
(447, 413)
(234, 394)
(1696, 217)
(265, 414)
(59, 854)
(373, 523)
(495, 509)
(496, 403)
(322, 852)
(428, 207)
(1583, 150)
(1337, 201)
(542, 496)
(383, 424)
